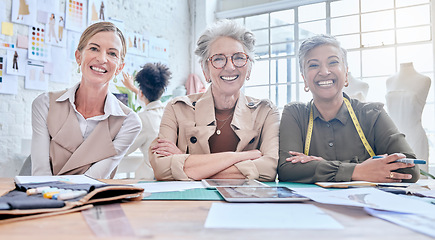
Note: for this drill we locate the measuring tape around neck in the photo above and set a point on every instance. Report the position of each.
(355, 123)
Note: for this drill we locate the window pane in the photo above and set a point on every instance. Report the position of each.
(312, 12)
(377, 21)
(413, 16)
(378, 38)
(259, 73)
(282, 18)
(372, 59)
(279, 94)
(377, 89)
(345, 25)
(354, 63)
(420, 55)
(282, 34)
(261, 36)
(262, 51)
(257, 21)
(345, 7)
(283, 70)
(374, 5)
(239, 21)
(416, 34)
(402, 3)
(430, 97)
(258, 92)
(312, 28)
(284, 49)
(349, 41)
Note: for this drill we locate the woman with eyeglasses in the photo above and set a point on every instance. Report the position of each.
(220, 133)
(335, 138)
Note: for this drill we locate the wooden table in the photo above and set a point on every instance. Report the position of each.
(185, 220)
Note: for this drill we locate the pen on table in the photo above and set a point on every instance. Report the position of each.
(37, 190)
(71, 195)
(405, 160)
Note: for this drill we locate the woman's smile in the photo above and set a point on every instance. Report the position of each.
(229, 78)
(98, 69)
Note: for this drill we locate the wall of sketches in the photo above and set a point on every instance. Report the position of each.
(37, 43)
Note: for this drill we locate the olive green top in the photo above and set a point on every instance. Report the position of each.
(337, 141)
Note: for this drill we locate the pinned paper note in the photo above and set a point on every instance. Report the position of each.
(22, 41)
(7, 28)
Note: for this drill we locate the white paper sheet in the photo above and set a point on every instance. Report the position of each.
(63, 178)
(269, 216)
(418, 223)
(171, 186)
(373, 198)
(9, 84)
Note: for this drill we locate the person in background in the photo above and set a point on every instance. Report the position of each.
(334, 137)
(152, 80)
(85, 129)
(220, 133)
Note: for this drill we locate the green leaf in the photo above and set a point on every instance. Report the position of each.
(424, 173)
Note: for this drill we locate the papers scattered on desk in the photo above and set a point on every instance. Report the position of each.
(373, 198)
(269, 216)
(62, 178)
(170, 186)
(354, 184)
(418, 223)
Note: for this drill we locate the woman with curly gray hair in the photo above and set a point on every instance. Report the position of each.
(220, 133)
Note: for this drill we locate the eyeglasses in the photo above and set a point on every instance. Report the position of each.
(219, 61)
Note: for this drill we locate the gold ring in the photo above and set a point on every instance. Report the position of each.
(391, 175)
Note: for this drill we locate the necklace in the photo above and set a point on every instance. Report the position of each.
(218, 131)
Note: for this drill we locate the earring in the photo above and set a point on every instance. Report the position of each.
(346, 83)
(209, 80)
(78, 69)
(247, 78)
(306, 89)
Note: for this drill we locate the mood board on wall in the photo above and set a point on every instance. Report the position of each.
(47, 52)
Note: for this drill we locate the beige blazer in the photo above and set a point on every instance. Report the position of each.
(189, 121)
(69, 153)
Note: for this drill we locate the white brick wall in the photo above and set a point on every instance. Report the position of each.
(169, 19)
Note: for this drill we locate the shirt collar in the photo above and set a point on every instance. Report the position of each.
(342, 114)
(111, 106)
(154, 105)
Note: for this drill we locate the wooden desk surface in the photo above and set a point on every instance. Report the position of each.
(185, 220)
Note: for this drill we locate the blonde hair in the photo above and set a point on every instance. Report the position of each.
(102, 27)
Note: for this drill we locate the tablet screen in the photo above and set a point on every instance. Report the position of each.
(213, 183)
(260, 194)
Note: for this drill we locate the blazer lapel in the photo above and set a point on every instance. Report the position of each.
(88, 152)
(243, 123)
(70, 130)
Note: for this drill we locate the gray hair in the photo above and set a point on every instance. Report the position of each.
(224, 28)
(315, 41)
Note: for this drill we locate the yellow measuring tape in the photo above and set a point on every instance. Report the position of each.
(355, 123)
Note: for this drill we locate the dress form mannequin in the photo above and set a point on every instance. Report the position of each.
(357, 89)
(406, 96)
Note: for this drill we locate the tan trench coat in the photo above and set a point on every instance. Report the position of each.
(189, 122)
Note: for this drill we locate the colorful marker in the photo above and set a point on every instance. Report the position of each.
(37, 190)
(406, 160)
(71, 195)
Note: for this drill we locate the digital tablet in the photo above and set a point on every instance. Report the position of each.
(213, 183)
(260, 194)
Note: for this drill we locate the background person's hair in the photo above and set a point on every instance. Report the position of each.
(315, 41)
(224, 28)
(102, 27)
(153, 79)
